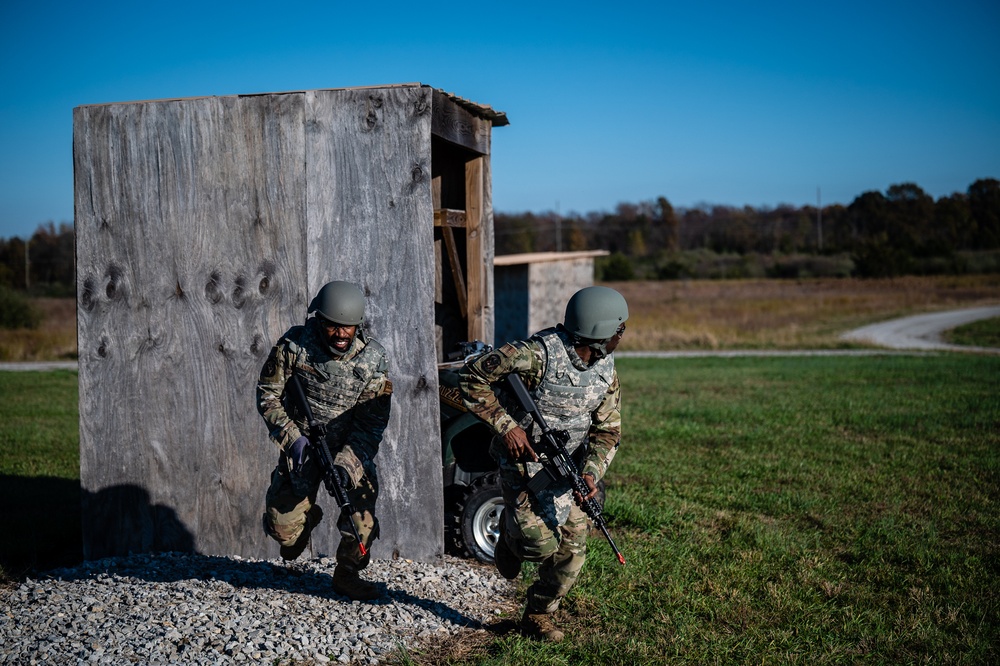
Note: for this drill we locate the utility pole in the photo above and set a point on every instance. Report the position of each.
(27, 284)
(558, 229)
(819, 221)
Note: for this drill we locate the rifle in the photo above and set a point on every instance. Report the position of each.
(317, 438)
(560, 463)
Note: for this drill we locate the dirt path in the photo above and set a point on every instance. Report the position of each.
(919, 332)
(922, 331)
(39, 365)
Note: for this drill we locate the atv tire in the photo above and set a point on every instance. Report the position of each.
(475, 518)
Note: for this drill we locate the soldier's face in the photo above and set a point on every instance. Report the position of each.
(337, 336)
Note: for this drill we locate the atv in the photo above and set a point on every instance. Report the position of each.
(472, 499)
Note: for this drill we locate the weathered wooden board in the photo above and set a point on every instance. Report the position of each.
(370, 221)
(204, 226)
(459, 126)
(191, 251)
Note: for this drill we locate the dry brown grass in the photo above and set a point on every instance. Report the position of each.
(784, 314)
(696, 314)
(54, 340)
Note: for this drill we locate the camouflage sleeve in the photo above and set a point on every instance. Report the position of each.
(370, 419)
(270, 386)
(476, 379)
(605, 432)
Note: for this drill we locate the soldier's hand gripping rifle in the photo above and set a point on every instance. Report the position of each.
(560, 463)
(317, 439)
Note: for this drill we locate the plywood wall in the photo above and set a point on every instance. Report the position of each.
(204, 227)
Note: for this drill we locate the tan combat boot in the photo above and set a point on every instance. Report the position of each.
(540, 626)
(349, 584)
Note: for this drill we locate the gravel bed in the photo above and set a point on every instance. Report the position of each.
(174, 608)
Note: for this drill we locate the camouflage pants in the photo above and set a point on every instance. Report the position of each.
(290, 497)
(549, 530)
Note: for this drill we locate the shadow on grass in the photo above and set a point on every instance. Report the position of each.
(40, 524)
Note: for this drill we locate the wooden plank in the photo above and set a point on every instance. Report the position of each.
(258, 256)
(370, 221)
(475, 253)
(487, 248)
(459, 126)
(436, 193)
(438, 297)
(203, 228)
(447, 217)
(189, 253)
(541, 257)
(456, 270)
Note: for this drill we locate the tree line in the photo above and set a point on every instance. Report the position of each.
(902, 231)
(44, 264)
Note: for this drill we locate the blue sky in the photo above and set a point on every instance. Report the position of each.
(729, 103)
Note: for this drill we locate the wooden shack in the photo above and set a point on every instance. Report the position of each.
(204, 227)
(532, 289)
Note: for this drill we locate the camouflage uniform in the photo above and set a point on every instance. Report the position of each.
(584, 400)
(352, 395)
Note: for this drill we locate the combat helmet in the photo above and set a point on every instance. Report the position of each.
(595, 313)
(339, 302)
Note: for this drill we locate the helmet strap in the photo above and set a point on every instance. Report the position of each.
(599, 348)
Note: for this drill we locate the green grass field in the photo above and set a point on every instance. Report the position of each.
(792, 510)
(820, 510)
(982, 333)
(39, 471)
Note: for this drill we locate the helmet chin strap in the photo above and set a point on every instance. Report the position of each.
(599, 348)
(336, 352)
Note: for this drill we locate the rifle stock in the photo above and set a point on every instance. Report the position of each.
(317, 438)
(560, 463)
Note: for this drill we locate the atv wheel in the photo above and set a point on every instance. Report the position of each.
(473, 521)
(478, 513)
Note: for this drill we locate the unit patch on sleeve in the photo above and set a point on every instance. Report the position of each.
(492, 362)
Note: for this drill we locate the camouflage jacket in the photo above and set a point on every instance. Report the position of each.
(351, 394)
(530, 360)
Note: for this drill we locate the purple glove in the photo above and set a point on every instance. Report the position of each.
(297, 453)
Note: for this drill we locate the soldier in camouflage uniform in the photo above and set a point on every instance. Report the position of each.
(571, 374)
(345, 378)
